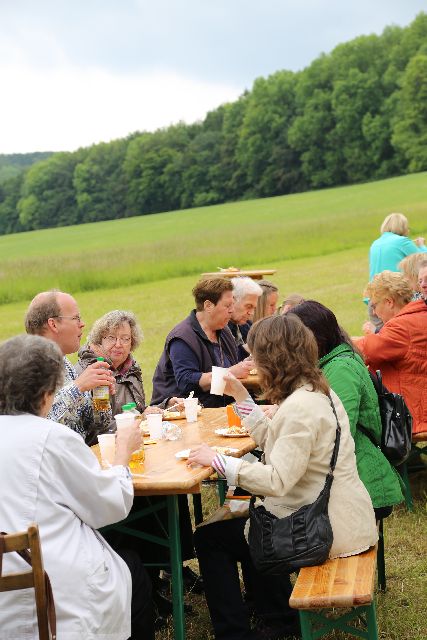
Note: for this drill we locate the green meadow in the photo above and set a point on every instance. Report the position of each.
(318, 242)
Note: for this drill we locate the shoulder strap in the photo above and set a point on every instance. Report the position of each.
(26, 555)
(337, 438)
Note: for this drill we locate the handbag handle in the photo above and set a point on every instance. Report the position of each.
(337, 438)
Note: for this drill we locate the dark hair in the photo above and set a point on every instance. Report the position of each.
(323, 324)
(210, 289)
(43, 307)
(285, 353)
(30, 367)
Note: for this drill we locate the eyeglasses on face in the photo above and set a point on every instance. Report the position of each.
(75, 318)
(114, 339)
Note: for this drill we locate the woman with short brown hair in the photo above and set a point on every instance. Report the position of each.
(297, 443)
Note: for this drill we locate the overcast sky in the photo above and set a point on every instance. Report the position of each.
(77, 72)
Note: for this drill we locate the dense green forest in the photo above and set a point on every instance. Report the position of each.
(354, 115)
(13, 163)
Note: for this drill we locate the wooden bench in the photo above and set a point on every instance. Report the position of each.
(342, 583)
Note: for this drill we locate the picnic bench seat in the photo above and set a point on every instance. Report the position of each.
(341, 583)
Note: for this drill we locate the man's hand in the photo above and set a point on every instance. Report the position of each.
(95, 375)
(242, 369)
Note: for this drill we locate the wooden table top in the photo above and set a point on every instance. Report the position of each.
(164, 474)
(257, 274)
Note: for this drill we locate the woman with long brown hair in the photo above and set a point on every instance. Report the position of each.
(297, 444)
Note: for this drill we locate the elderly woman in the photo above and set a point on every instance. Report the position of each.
(267, 302)
(297, 444)
(346, 372)
(49, 476)
(410, 267)
(399, 350)
(114, 337)
(196, 344)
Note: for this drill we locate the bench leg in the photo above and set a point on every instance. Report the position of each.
(381, 558)
(315, 624)
(222, 491)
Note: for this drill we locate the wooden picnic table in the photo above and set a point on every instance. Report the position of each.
(256, 274)
(164, 474)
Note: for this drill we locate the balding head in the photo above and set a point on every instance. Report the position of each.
(55, 315)
(44, 306)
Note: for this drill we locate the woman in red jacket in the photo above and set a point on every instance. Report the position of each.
(399, 350)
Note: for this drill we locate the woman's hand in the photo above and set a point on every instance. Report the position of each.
(201, 454)
(270, 409)
(368, 328)
(128, 440)
(233, 387)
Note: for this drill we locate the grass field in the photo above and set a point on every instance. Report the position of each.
(317, 241)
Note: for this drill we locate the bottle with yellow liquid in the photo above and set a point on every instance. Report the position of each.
(138, 457)
(101, 396)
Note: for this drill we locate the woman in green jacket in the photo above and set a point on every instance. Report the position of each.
(349, 378)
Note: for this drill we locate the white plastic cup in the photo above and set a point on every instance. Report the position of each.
(124, 419)
(190, 407)
(217, 381)
(154, 422)
(107, 447)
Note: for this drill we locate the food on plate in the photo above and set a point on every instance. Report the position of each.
(237, 431)
(172, 415)
(226, 451)
(253, 372)
(230, 270)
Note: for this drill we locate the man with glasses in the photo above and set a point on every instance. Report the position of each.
(55, 315)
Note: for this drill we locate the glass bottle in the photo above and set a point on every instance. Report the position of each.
(101, 396)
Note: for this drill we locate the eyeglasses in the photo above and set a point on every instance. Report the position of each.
(75, 318)
(114, 339)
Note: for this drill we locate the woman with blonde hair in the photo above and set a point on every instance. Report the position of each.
(297, 443)
(267, 302)
(399, 350)
(290, 302)
(410, 267)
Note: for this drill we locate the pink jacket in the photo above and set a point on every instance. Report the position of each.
(399, 350)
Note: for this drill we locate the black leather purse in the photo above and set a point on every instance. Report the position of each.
(303, 539)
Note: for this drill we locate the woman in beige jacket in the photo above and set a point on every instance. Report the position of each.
(297, 443)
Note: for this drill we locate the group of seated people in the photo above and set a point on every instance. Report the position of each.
(305, 363)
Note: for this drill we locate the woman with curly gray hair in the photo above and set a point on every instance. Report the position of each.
(114, 336)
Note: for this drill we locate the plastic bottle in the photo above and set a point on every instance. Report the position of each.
(101, 396)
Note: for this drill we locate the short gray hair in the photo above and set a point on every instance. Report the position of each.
(245, 286)
(111, 321)
(30, 367)
(40, 310)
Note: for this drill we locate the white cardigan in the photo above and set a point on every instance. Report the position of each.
(49, 476)
(298, 444)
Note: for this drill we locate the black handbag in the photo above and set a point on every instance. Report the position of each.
(303, 539)
(396, 423)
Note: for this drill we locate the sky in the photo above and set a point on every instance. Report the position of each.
(78, 72)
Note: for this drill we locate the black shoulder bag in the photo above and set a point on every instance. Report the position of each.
(396, 423)
(303, 539)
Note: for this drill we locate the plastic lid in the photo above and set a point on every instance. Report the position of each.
(100, 359)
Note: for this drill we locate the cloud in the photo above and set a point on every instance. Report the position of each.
(63, 109)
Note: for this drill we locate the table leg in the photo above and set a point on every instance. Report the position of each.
(176, 568)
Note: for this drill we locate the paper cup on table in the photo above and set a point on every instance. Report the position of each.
(107, 447)
(154, 423)
(190, 407)
(124, 419)
(217, 381)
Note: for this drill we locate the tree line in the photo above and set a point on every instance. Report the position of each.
(354, 115)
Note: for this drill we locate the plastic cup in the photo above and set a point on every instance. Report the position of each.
(154, 422)
(107, 447)
(217, 381)
(124, 419)
(190, 408)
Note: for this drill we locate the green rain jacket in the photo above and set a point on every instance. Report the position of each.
(349, 378)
